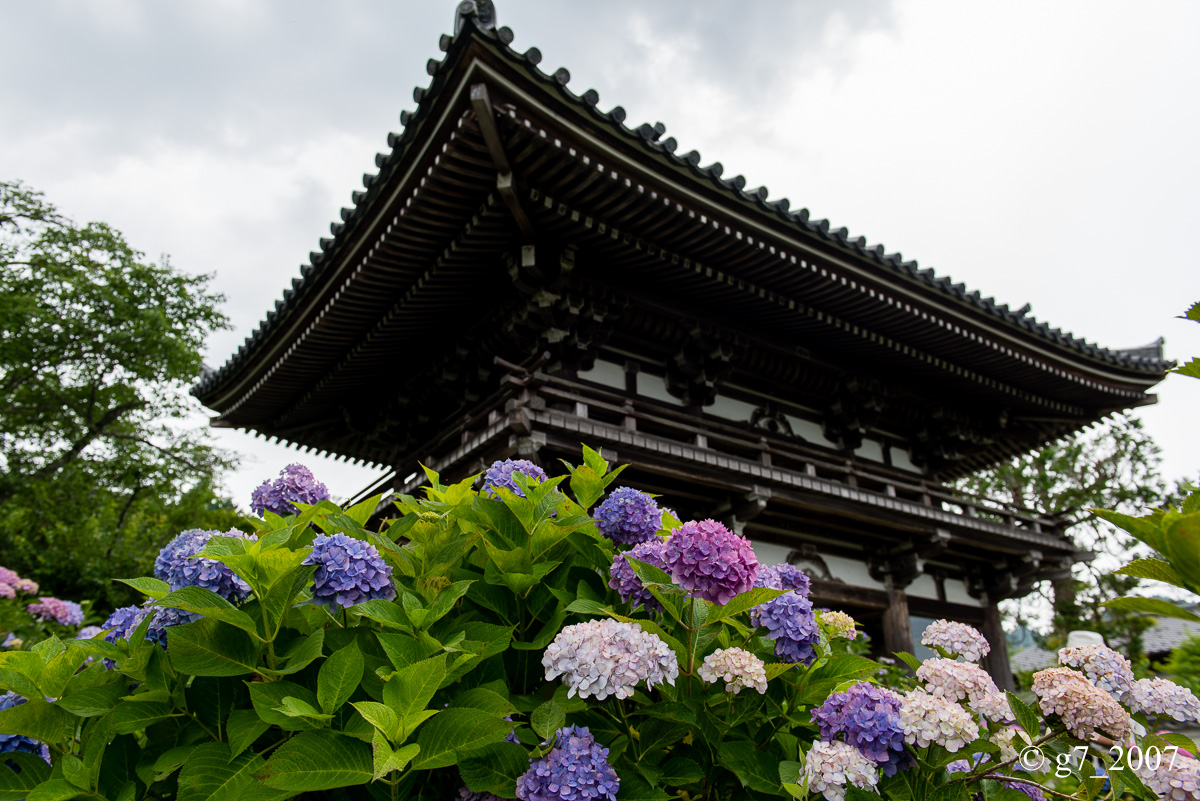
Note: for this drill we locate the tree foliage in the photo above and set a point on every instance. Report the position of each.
(1114, 465)
(97, 349)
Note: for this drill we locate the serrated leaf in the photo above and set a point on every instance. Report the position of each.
(1152, 606)
(132, 715)
(495, 769)
(295, 708)
(210, 774)
(243, 728)
(211, 648)
(681, 771)
(754, 769)
(381, 717)
(743, 602)
(1190, 368)
(38, 720)
(92, 701)
(20, 773)
(1153, 569)
(267, 697)
(302, 653)
(210, 605)
(547, 719)
(339, 677)
(410, 689)
(909, 659)
(485, 700)
(636, 788)
(53, 790)
(455, 733)
(152, 587)
(318, 760)
(1026, 717)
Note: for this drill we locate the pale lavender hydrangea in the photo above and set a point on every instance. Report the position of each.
(500, 474)
(711, 561)
(605, 657)
(349, 571)
(1173, 779)
(1104, 666)
(19, 742)
(296, 484)
(15, 584)
(1082, 706)
(993, 706)
(622, 578)
(737, 667)
(178, 565)
(868, 718)
(1164, 697)
(830, 766)
(88, 632)
(64, 613)
(955, 680)
(7, 591)
(927, 719)
(957, 639)
(791, 623)
(12, 641)
(839, 624)
(783, 577)
(628, 516)
(576, 769)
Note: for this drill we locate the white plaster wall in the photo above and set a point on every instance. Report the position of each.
(606, 373)
(901, 461)
(769, 553)
(805, 428)
(923, 586)
(870, 449)
(850, 571)
(956, 593)
(731, 409)
(655, 387)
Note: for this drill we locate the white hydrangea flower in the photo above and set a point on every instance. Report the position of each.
(840, 624)
(737, 667)
(829, 767)
(1012, 742)
(1173, 780)
(1164, 697)
(1082, 706)
(926, 719)
(956, 638)
(956, 680)
(1104, 666)
(606, 657)
(993, 706)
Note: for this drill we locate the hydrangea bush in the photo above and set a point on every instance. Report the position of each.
(518, 636)
(27, 617)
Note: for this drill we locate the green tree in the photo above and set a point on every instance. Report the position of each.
(99, 454)
(1115, 465)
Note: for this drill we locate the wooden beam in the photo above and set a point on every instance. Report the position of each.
(897, 627)
(996, 662)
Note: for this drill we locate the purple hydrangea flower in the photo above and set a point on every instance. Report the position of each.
(164, 618)
(7, 591)
(622, 578)
(178, 565)
(19, 742)
(296, 484)
(500, 474)
(576, 769)
(792, 624)
(88, 632)
(466, 794)
(711, 561)
(64, 613)
(123, 622)
(783, 577)
(868, 717)
(349, 571)
(628, 516)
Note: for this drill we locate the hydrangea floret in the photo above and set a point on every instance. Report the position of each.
(927, 719)
(791, 624)
(1175, 777)
(622, 578)
(296, 484)
(737, 667)
(1083, 707)
(993, 706)
(783, 577)
(123, 622)
(1160, 696)
(830, 766)
(1104, 666)
(711, 561)
(599, 658)
(628, 516)
(576, 769)
(500, 474)
(868, 717)
(64, 613)
(957, 639)
(178, 565)
(349, 571)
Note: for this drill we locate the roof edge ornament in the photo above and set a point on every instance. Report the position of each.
(482, 12)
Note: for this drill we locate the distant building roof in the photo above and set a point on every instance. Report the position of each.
(1165, 635)
(1034, 658)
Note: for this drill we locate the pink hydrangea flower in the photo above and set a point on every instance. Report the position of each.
(956, 680)
(711, 561)
(829, 767)
(926, 719)
(737, 667)
(1083, 707)
(956, 638)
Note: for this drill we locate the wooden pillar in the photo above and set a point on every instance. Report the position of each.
(897, 628)
(996, 662)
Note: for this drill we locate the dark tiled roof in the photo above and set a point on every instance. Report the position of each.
(1146, 359)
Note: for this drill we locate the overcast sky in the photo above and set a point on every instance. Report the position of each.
(1039, 152)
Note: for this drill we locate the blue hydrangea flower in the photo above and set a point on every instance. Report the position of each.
(868, 718)
(792, 624)
(164, 618)
(466, 794)
(783, 577)
(349, 571)
(500, 474)
(628, 516)
(178, 565)
(123, 622)
(19, 742)
(576, 769)
(711, 561)
(296, 484)
(622, 578)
